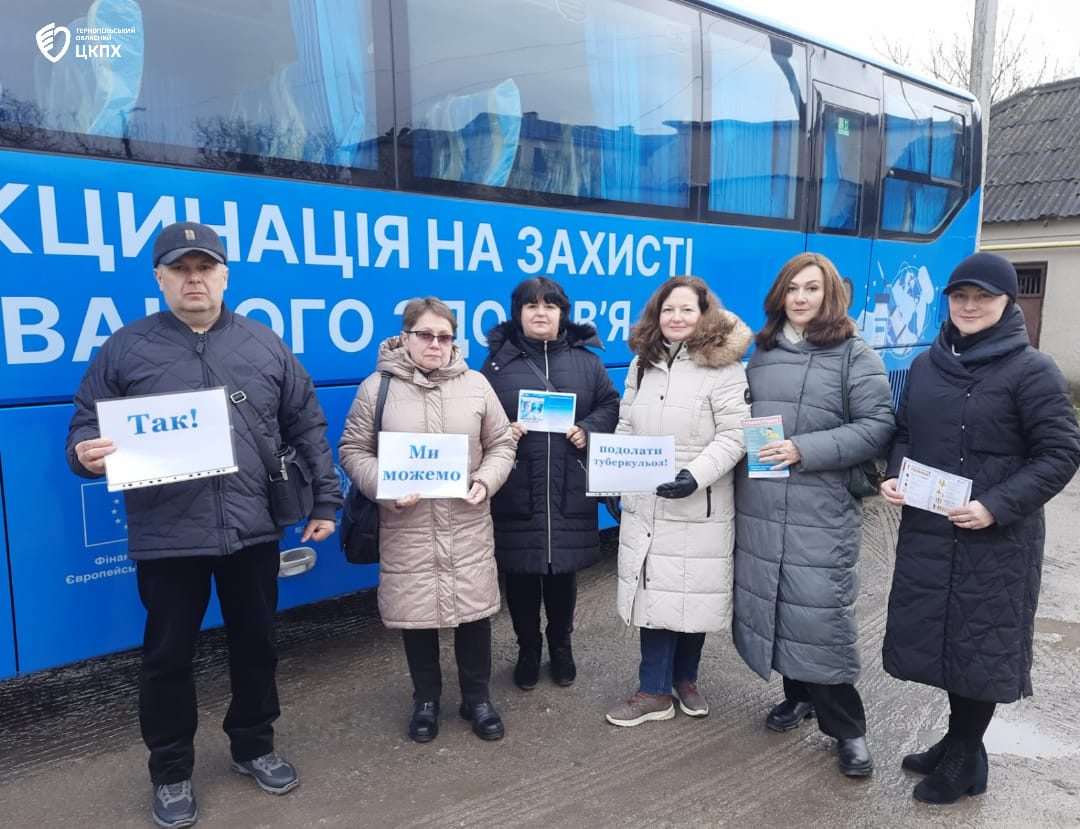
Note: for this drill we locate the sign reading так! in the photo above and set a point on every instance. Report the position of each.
(162, 438)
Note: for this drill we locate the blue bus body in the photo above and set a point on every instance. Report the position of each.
(326, 248)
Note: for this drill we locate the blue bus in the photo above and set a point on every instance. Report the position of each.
(356, 153)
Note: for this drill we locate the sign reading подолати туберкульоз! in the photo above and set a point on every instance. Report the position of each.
(629, 463)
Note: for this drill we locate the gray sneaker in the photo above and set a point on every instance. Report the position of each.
(691, 702)
(641, 708)
(271, 771)
(174, 805)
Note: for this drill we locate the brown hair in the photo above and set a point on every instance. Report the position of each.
(711, 331)
(832, 325)
(416, 308)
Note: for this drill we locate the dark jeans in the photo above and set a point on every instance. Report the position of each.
(558, 592)
(472, 649)
(175, 593)
(667, 657)
(969, 719)
(839, 708)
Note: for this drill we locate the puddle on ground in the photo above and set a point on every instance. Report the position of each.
(1021, 740)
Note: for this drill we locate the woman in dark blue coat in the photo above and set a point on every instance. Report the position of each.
(984, 404)
(545, 527)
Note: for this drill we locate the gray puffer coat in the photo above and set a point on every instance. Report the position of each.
(797, 538)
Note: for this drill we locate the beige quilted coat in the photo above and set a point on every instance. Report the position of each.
(437, 558)
(675, 555)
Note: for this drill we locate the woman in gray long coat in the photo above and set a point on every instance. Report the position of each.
(797, 537)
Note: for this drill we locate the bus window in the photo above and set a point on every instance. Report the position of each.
(756, 94)
(924, 153)
(841, 169)
(255, 85)
(590, 100)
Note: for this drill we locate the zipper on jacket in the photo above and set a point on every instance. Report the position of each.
(547, 502)
(708, 501)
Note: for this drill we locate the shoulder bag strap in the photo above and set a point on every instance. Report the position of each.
(380, 402)
(274, 465)
(844, 379)
(536, 370)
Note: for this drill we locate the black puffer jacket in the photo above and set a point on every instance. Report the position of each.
(962, 606)
(542, 516)
(222, 514)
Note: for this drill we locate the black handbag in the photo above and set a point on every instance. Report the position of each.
(359, 533)
(863, 478)
(292, 496)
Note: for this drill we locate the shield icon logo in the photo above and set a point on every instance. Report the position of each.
(46, 41)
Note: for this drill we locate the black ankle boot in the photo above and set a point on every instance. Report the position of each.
(958, 773)
(563, 669)
(925, 762)
(527, 670)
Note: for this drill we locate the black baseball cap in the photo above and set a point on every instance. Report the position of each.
(994, 274)
(183, 237)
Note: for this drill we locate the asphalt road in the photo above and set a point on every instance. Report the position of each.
(70, 753)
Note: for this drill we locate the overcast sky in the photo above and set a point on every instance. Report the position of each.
(1050, 26)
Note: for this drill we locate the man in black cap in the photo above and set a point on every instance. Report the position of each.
(185, 534)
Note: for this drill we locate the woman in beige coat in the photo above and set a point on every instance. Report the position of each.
(675, 546)
(437, 556)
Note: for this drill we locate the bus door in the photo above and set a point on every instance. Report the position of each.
(844, 173)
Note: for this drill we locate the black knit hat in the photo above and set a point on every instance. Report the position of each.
(994, 274)
(183, 237)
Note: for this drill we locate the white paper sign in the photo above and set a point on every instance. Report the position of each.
(629, 463)
(163, 438)
(435, 465)
(932, 489)
(546, 411)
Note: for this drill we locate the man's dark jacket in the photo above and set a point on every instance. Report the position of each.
(221, 514)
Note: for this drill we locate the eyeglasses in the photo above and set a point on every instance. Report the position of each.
(426, 337)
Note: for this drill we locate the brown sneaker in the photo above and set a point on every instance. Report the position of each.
(691, 702)
(641, 708)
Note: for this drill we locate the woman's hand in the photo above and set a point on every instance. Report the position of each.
(518, 430)
(409, 500)
(576, 435)
(780, 453)
(889, 493)
(971, 516)
(477, 494)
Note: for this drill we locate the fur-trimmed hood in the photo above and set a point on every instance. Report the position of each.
(729, 350)
(509, 334)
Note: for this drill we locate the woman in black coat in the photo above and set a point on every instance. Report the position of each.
(983, 404)
(545, 527)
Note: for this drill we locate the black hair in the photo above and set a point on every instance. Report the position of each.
(539, 289)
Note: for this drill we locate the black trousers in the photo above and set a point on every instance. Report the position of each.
(524, 594)
(472, 650)
(969, 719)
(839, 708)
(175, 593)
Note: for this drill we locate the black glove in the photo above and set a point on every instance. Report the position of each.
(683, 486)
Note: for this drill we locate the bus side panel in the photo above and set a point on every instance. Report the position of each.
(7, 632)
(74, 586)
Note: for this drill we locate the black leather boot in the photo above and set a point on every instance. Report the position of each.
(925, 762)
(958, 773)
(424, 722)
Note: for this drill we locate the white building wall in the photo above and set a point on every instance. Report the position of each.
(1057, 243)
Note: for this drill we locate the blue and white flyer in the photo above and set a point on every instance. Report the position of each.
(546, 411)
(760, 431)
